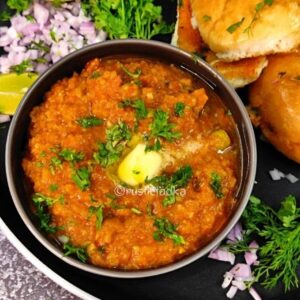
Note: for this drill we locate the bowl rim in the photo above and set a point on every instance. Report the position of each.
(115, 273)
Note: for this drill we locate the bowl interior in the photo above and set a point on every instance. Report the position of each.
(75, 62)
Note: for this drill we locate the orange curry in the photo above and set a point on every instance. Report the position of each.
(134, 164)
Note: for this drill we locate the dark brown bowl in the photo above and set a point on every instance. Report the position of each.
(76, 61)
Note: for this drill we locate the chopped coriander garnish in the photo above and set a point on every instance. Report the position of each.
(179, 109)
(41, 46)
(39, 164)
(232, 28)
(165, 229)
(22, 67)
(161, 127)
(116, 137)
(80, 253)
(30, 18)
(5, 15)
(53, 36)
(258, 7)
(141, 111)
(42, 203)
(95, 75)
(156, 146)
(135, 75)
(216, 184)
(71, 155)
(98, 212)
(43, 154)
(169, 184)
(89, 121)
(55, 162)
(53, 187)
(206, 18)
(136, 211)
(81, 177)
(111, 196)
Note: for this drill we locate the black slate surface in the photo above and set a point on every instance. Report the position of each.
(199, 280)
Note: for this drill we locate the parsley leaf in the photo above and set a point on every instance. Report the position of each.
(81, 177)
(89, 121)
(216, 184)
(80, 253)
(141, 111)
(165, 229)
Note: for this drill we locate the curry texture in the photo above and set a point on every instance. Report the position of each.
(131, 227)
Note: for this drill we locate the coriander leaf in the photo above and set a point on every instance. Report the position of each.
(89, 121)
(21, 68)
(81, 177)
(156, 146)
(53, 187)
(42, 203)
(55, 162)
(71, 155)
(136, 74)
(18, 5)
(165, 229)
(206, 18)
(161, 127)
(95, 74)
(216, 184)
(5, 15)
(116, 137)
(141, 111)
(288, 211)
(98, 212)
(179, 109)
(232, 28)
(80, 253)
(53, 36)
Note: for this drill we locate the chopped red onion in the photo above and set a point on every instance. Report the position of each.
(254, 294)
(41, 14)
(231, 292)
(291, 178)
(242, 271)
(239, 284)
(236, 233)
(250, 258)
(222, 255)
(227, 280)
(4, 118)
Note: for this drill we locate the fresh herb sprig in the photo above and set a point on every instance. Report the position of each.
(98, 211)
(82, 177)
(279, 251)
(216, 184)
(141, 111)
(89, 121)
(166, 229)
(127, 18)
(78, 252)
(42, 203)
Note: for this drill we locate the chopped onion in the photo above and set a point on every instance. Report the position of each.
(231, 292)
(4, 118)
(236, 233)
(242, 271)
(250, 258)
(227, 280)
(239, 284)
(291, 178)
(253, 246)
(222, 255)
(254, 294)
(276, 174)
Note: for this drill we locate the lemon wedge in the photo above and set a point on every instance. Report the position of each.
(139, 165)
(12, 89)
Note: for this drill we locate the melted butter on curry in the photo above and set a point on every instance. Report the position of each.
(133, 164)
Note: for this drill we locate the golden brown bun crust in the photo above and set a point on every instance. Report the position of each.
(276, 97)
(276, 29)
(238, 73)
(188, 38)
